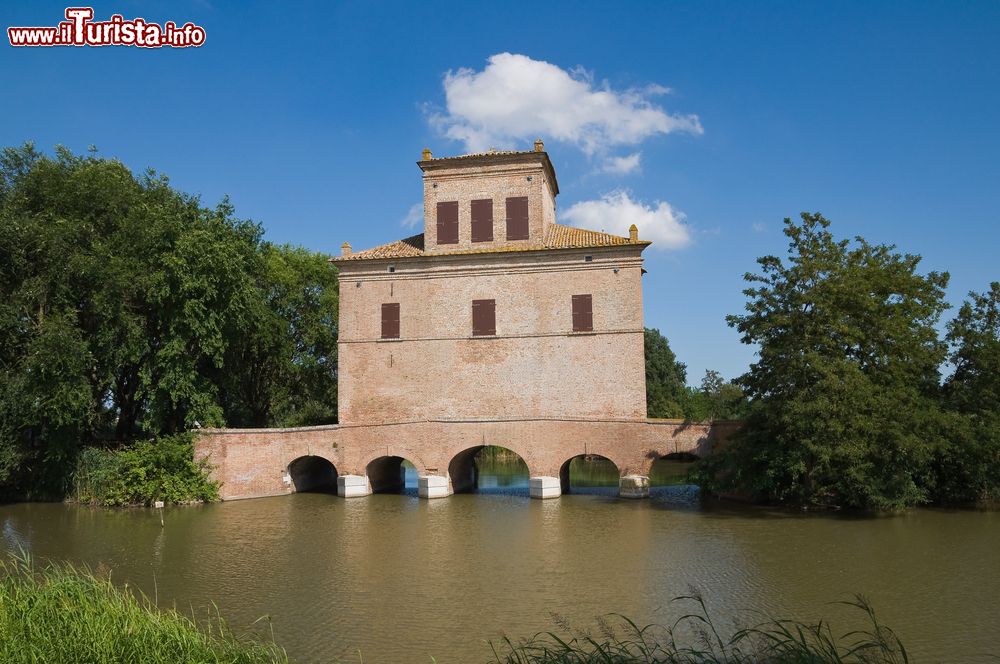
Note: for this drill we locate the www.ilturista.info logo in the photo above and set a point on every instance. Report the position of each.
(81, 30)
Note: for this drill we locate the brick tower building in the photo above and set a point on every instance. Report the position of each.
(495, 311)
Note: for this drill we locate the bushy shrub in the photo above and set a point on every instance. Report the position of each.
(147, 471)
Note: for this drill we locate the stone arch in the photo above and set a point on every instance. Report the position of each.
(463, 473)
(565, 481)
(313, 473)
(386, 474)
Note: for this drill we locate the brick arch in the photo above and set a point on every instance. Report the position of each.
(672, 456)
(384, 473)
(564, 482)
(312, 472)
(462, 473)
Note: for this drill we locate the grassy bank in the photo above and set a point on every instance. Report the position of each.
(143, 473)
(60, 614)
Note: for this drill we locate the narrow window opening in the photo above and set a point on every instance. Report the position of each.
(482, 220)
(517, 218)
(447, 222)
(484, 318)
(583, 314)
(588, 259)
(390, 320)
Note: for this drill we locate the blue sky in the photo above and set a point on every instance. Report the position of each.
(883, 116)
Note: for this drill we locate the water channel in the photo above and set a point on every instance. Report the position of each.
(400, 579)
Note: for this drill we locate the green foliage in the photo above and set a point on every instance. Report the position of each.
(668, 396)
(143, 473)
(844, 397)
(715, 399)
(129, 310)
(665, 377)
(62, 615)
(969, 468)
(696, 638)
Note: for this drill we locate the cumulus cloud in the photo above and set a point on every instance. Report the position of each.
(414, 216)
(622, 165)
(616, 211)
(515, 99)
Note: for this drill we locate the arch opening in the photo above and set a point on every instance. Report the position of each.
(589, 474)
(313, 473)
(670, 471)
(392, 474)
(489, 469)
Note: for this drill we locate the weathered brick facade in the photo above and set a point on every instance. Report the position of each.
(418, 381)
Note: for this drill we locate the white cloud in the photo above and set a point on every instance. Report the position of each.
(414, 216)
(758, 227)
(616, 211)
(515, 99)
(622, 165)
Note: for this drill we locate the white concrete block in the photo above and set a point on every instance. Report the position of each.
(433, 486)
(633, 486)
(544, 487)
(353, 486)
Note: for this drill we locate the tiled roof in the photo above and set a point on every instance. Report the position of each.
(488, 153)
(557, 236)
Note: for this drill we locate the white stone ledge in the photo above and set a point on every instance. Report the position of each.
(543, 487)
(433, 486)
(353, 486)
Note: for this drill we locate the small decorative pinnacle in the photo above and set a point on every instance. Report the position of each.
(633, 233)
(345, 249)
(426, 155)
(539, 146)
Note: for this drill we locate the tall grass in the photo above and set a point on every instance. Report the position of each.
(64, 615)
(695, 639)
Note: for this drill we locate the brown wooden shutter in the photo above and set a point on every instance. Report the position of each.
(583, 314)
(390, 320)
(517, 218)
(447, 223)
(482, 220)
(484, 317)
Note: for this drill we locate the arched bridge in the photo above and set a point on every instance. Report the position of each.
(363, 459)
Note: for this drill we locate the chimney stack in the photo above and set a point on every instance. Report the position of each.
(426, 155)
(539, 146)
(633, 234)
(345, 249)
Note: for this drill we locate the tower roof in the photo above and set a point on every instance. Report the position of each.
(557, 236)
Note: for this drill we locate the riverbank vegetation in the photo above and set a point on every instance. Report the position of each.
(696, 638)
(847, 406)
(142, 474)
(129, 312)
(62, 615)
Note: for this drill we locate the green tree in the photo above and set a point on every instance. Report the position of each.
(665, 377)
(969, 467)
(844, 393)
(715, 399)
(129, 310)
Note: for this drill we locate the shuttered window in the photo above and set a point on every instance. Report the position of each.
(517, 218)
(484, 317)
(482, 220)
(447, 223)
(583, 314)
(390, 320)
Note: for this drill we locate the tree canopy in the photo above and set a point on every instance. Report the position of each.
(128, 309)
(844, 407)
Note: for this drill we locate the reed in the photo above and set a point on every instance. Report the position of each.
(61, 614)
(694, 638)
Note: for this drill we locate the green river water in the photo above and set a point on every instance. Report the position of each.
(400, 579)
